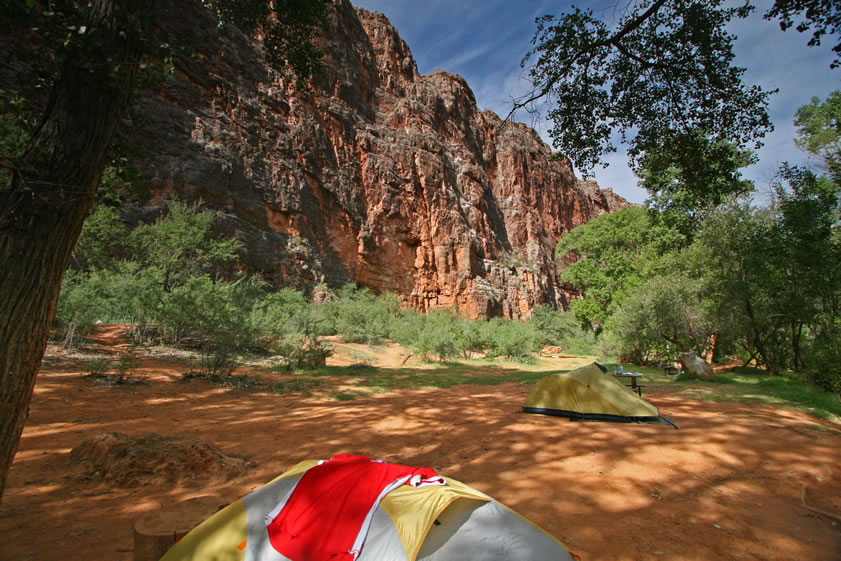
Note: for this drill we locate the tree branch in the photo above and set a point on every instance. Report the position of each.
(614, 41)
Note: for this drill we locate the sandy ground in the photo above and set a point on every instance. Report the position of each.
(728, 485)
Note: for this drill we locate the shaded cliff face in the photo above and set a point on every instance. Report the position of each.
(376, 175)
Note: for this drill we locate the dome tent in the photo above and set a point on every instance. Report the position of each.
(429, 518)
(589, 394)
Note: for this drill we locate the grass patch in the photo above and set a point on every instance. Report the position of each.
(434, 375)
(302, 384)
(821, 428)
(752, 385)
(361, 356)
(447, 376)
(347, 395)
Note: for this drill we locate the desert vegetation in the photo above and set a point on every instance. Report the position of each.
(722, 277)
(171, 281)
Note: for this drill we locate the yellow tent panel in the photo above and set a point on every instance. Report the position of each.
(587, 393)
(451, 522)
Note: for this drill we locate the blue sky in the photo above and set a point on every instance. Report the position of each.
(485, 40)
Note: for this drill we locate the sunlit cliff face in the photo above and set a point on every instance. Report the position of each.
(384, 177)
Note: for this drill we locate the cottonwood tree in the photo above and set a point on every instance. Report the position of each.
(86, 58)
(687, 175)
(665, 67)
(818, 16)
(611, 255)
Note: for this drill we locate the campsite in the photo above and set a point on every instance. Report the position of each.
(739, 480)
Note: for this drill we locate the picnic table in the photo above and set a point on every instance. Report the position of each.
(635, 387)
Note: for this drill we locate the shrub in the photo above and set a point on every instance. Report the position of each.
(823, 361)
(512, 339)
(439, 333)
(78, 308)
(471, 338)
(405, 327)
(219, 313)
(98, 367)
(276, 313)
(126, 363)
(562, 329)
(362, 317)
(300, 352)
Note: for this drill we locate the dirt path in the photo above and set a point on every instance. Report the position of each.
(726, 486)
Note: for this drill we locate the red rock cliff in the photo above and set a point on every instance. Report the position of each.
(378, 175)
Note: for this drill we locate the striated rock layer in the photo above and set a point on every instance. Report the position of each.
(376, 174)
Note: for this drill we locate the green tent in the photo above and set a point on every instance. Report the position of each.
(589, 394)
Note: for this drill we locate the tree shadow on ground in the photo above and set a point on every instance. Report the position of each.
(726, 485)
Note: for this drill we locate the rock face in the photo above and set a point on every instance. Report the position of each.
(376, 174)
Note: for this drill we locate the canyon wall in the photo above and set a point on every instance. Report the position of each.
(373, 174)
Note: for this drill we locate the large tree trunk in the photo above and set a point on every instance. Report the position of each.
(43, 206)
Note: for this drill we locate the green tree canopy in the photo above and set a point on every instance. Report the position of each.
(610, 256)
(664, 316)
(689, 174)
(819, 131)
(818, 16)
(180, 245)
(666, 66)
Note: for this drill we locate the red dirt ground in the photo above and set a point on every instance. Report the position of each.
(727, 485)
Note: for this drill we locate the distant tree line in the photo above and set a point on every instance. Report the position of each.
(720, 274)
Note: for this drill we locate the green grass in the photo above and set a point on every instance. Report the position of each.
(754, 385)
(434, 375)
(821, 428)
(347, 395)
(742, 384)
(304, 384)
(748, 385)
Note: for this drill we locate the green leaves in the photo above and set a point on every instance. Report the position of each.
(818, 16)
(689, 174)
(179, 245)
(610, 256)
(819, 129)
(666, 66)
(287, 28)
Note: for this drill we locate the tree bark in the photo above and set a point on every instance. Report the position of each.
(44, 204)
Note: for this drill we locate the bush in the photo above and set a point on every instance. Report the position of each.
(126, 363)
(823, 361)
(441, 333)
(405, 327)
(276, 313)
(98, 367)
(512, 339)
(362, 317)
(302, 353)
(562, 329)
(219, 313)
(77, 308)
(471, 338)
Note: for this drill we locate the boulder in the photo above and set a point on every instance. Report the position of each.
(693, 364)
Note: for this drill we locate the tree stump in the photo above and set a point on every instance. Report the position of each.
(156, 532)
